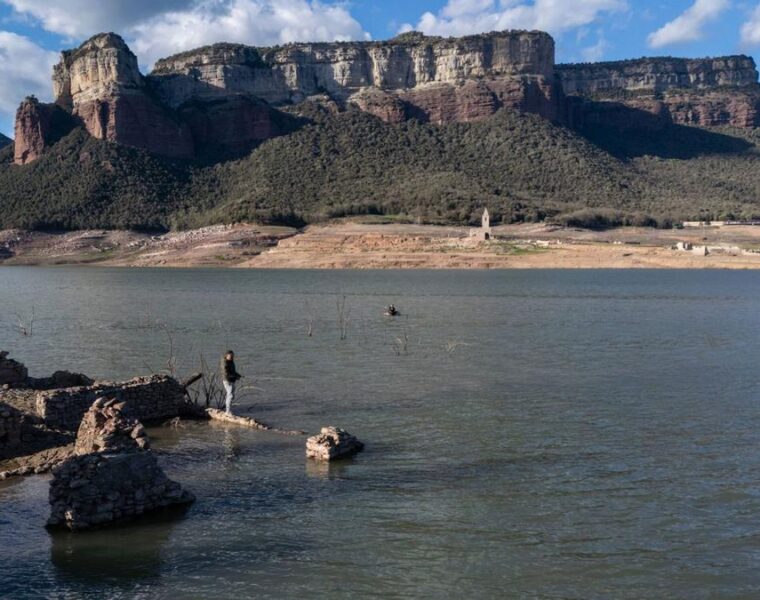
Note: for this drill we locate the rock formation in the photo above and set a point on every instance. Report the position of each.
(113, 475)
(332, 443)
(12, 373)
(101, 84)
(706, 92)
(224, 99)
(658, 75)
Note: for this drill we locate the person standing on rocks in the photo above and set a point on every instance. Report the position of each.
(229, 377)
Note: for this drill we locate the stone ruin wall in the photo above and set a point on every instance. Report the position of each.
(11, 428)
(112, 475)
(147, 399)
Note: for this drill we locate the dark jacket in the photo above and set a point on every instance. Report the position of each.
(228, 370)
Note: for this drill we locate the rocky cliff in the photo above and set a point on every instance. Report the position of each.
(658, 75)
(101, 84)
(224, 99)
(412, 76)
(37, 126)
(707, 92)
(288, 74)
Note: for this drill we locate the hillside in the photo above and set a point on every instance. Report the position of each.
(521, 166)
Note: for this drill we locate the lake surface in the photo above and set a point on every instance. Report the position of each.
(587, 434)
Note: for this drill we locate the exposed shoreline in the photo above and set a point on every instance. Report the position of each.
(388, 246)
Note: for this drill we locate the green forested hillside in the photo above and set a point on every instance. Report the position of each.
(521, 166)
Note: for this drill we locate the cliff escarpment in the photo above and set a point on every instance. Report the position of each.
(708, 92)
(227, 96)
(221, 101)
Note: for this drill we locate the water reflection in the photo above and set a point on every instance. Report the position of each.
(319, 469)
(128, 552)
(231, 447)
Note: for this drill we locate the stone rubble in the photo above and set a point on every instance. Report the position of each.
(332, 443)
(112, 476)
(12, 373)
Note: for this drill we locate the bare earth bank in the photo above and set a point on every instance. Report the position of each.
(361, 246)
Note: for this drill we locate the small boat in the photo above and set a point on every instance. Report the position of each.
(391, 311)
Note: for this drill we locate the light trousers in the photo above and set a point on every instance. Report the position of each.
(229, 387)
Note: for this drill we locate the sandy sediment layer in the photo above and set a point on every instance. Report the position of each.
(364, 246)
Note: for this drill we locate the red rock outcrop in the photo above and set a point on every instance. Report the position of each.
(136, 120)
(714, 109)
(33, 129)
(386, 106)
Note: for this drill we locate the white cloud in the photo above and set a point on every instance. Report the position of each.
(258, 22)
(463, 17)
(25, 69)
(596, 52)
(689, 26)
(156, 29)
(84, 18)
(751, 29)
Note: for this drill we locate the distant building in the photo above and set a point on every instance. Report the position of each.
(483, 234)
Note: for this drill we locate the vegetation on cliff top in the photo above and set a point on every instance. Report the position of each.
(520, 166)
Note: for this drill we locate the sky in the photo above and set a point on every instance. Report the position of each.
(33, 32)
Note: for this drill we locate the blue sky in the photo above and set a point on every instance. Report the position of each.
(32, 32)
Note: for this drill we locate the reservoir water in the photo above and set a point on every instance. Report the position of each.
(544, 434)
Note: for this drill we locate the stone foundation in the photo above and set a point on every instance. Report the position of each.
(332, 443)
(113, 474)
(146, 398)
(97, 489)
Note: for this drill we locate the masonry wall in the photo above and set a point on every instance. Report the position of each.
(147, 398)
(11, 429)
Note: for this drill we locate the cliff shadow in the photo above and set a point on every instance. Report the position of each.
(230, 129)
(628, 133)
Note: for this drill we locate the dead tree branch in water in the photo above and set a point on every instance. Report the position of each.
(26, 328)
(309, 320)
(209, 393)
(344, 317)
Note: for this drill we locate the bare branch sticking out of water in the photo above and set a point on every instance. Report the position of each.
(209, 393)
(309, 320)
(401, 343)
(344, 317)
(26, 327)
(451, 346)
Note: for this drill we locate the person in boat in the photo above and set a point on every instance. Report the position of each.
(230, 377)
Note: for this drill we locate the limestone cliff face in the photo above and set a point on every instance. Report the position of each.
(658, 75)
(101, 84)
(102, 66)
(412, 76)
(293, 72)
(706, 92)
(224, 98)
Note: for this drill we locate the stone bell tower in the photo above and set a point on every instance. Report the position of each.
(484, 233)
